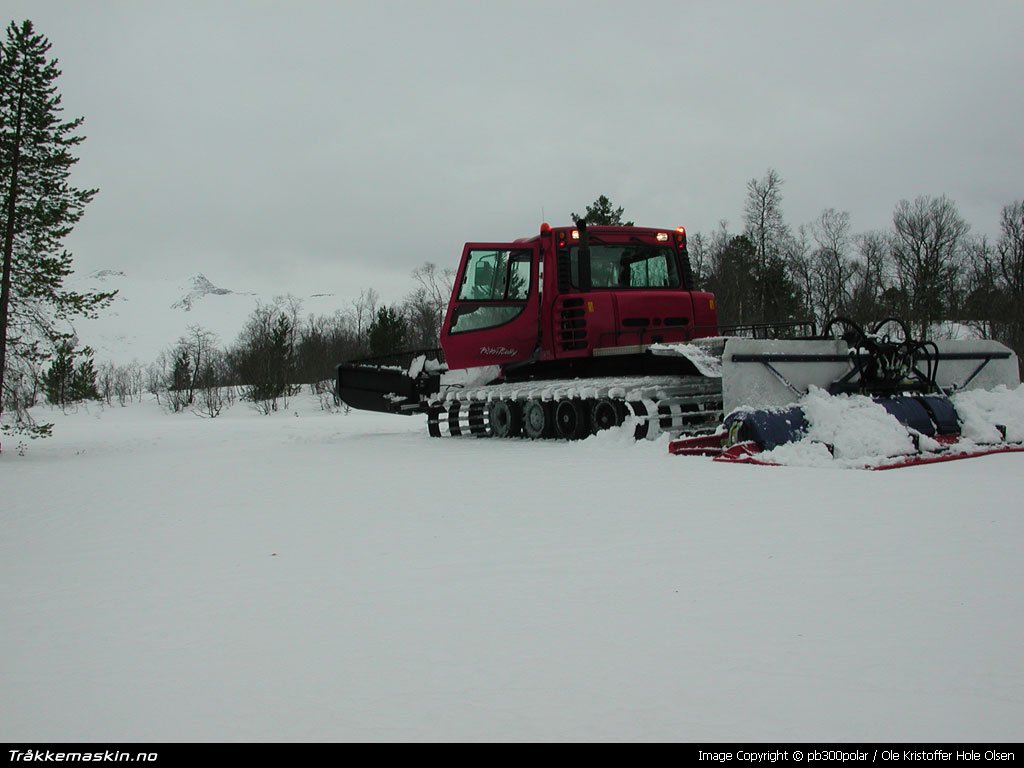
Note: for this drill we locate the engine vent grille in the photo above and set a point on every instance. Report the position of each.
(572, 325)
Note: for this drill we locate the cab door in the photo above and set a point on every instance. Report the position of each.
(493, 313)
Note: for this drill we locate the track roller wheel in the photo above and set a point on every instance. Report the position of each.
(476, 420)
(571, 420)
(643, 426)
(453, 420)
(506, 418)
(537, 419)
(606, 413)
(433, 421)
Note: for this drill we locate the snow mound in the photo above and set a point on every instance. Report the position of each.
(705, 360)
(844, 430)
(982, 410)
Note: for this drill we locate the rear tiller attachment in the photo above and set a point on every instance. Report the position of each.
(912, 381)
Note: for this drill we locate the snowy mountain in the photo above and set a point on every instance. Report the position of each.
(201, 287)
(148, 315)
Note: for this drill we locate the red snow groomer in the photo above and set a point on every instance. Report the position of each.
(580, 329)
(557, 336)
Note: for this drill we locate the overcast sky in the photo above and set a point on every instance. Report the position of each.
(333, 146)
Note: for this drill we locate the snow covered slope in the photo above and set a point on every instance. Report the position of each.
(149, 315)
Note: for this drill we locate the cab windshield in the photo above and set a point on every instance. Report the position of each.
(627, 266)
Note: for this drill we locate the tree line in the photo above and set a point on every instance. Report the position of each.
(927, 268)
(278, 351)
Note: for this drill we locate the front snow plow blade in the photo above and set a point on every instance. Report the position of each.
(399, 384)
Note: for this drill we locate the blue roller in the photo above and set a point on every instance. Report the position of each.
(909, 412)
(928, 414)
(942, 413)
(769, 429)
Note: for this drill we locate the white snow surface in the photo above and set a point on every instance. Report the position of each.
(315, 576)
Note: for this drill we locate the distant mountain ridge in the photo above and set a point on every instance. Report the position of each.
(148, 315)
(201, 287)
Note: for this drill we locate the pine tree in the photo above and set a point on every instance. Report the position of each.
(182, 375)
(38, 207)
(71, 376)
(281, 363)
(732, 280)
(58, 377)
(601, 213)
(387, 332)
(83, 383)
(263, 357)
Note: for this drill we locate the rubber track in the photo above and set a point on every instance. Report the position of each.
(677, 405)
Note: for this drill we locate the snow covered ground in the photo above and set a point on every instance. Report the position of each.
(313, 576)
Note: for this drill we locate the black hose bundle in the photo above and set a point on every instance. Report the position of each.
(887, 359)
